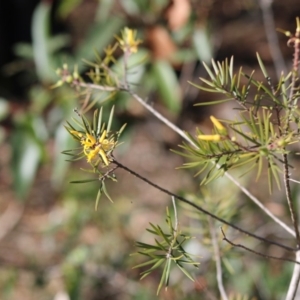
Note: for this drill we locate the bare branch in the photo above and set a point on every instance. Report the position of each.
(199, 208)
(215, 245)
(289, 199)
(293, 288)
(256, 252)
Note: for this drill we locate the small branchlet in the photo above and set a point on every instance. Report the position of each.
(165, 252)
(256, 135)
(97, 143)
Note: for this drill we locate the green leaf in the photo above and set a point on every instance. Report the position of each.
(169, 261)
(209, 72)
(157, 264)
(98, 199)
(99, 122)
(146, 263)
(111, 115)
(163, 277)
(259, 169)
(185, 272)
(202, 45)
(262, 67)
(84, 180)
(245, 136)
(213, 102)
(67, 6)
(40, 39)
(105, 192)
(167, 85)
(26, 155)
(275, 170)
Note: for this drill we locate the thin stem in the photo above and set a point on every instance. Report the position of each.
(289, 199)
(199, 208)
(294, 283)
(215, 245)
(296, 41)
(258, 253)
(294, 216)
(260, 205)
(184, 136)
(297, 181)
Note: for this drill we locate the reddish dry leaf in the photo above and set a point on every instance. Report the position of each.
(178, 14)
(160, 42)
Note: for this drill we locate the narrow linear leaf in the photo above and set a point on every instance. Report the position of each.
(155, 266)
(163, 279)
(168, 272)
(97, 199)
(209, 72)
(213, 102)
(185, 272)
(110, 119)
(146, 263)
(84, 181)
(105, 192)
(99, 122)
(262, 67)
(167, 84)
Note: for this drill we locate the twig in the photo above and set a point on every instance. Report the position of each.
(286, 174)
(215, 244)
(289, 199)
(294, 283)
(184, 136)
(258, 253)
(297, 181)
(199, 208)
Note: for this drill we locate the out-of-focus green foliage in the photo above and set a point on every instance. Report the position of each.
(86, 254)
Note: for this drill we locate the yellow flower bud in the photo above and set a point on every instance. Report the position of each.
(218, 125)
(211, 137)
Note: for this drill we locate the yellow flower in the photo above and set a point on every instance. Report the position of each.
(91, 154)
(93, 147)
(128, 42)
(89, 141)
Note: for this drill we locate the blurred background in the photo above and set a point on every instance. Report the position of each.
(53, 244)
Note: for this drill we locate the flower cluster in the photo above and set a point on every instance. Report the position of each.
(94, 147)
(128, 42)
(96, 139)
